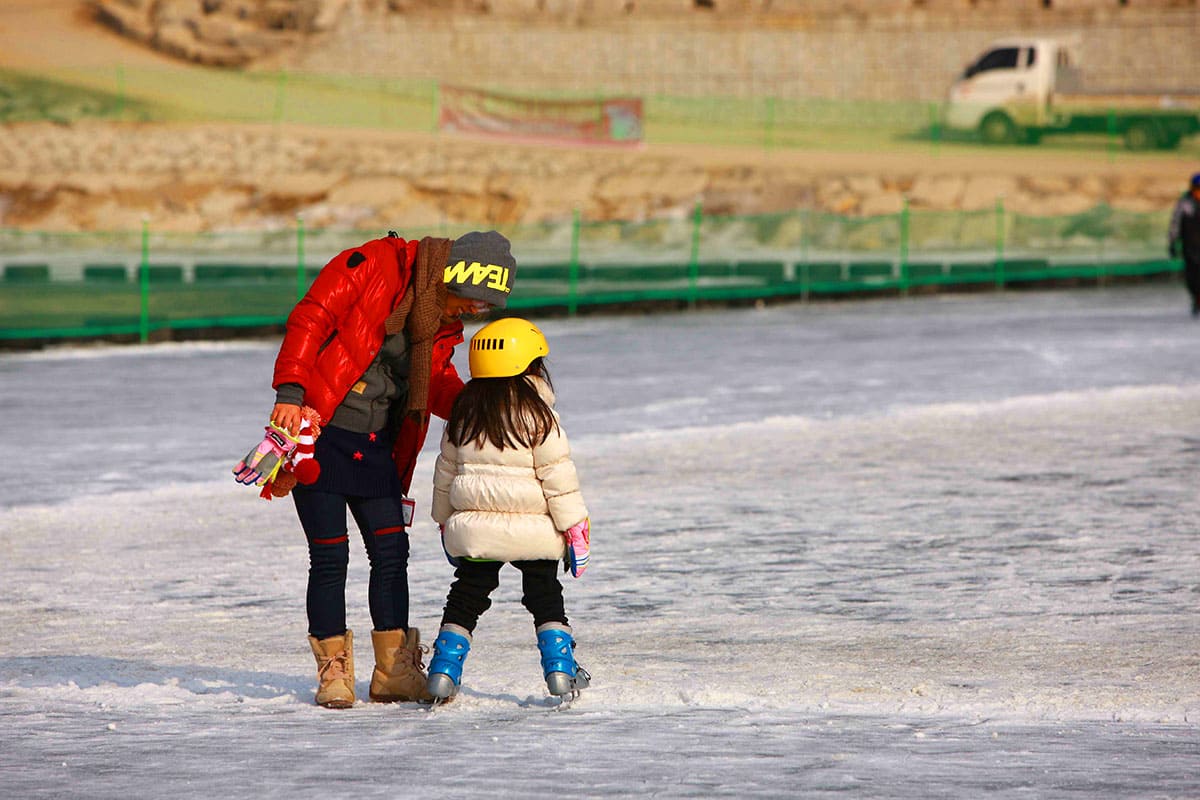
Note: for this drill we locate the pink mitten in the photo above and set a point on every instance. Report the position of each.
(579, 538)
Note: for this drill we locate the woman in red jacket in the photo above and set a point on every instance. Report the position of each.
(367, 357)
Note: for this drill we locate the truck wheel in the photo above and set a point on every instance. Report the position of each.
(1141, 135)
(997, 128)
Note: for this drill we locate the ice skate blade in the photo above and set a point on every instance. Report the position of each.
(436, 703)
(562, 685)
(559, 683)
(441, 686)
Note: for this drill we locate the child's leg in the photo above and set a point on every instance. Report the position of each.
(543, 597)
(468, 596)
(542, 592)
(382, 526)
(467, 600)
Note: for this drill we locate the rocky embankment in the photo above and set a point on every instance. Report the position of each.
(217, 32)
(99, 176)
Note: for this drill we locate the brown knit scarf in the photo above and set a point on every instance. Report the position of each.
(419, 315)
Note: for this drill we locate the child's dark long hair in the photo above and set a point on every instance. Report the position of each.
(508, 412)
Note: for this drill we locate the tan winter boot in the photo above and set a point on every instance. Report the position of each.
(335, 670)
(399, 674)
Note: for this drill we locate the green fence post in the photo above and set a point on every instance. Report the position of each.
(769, 134)
(280, 91)
(935, 127)
(694, 258)
(1112, 135)
(1000, 234)
(120, 91)
(437, 107)
(573, 268)
(904, 246)
(144, 286)
(384, 101)
(805, 236)
(301, 278)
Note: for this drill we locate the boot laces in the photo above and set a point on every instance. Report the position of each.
(418, 655)
(334, 668)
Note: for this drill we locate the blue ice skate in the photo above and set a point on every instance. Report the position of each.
(563, 675)
(445, 668)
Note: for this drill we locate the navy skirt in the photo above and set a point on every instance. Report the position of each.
(356, 464)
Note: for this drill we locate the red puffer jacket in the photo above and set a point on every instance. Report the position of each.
(335, 331)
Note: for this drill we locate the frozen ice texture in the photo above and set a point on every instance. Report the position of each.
(929, 547)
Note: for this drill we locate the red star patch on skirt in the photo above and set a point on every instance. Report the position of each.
(371, 437)
(358, 456)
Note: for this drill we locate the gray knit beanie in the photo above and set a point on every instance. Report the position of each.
(481, 267)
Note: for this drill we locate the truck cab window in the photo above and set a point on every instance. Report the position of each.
(1031, 59)
(1000, 58)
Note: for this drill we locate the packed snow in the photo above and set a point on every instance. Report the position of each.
(914, 547)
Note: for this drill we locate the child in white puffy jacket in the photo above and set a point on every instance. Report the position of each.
(505, 491)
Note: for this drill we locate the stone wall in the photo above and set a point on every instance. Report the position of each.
(231, 33)
(96, 176)
(848, 49)
(881, 57)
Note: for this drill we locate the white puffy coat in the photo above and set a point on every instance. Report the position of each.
(510, 504)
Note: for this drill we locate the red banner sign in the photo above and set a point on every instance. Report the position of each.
(615, 120)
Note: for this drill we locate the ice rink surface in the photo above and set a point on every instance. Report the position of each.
(911, 548)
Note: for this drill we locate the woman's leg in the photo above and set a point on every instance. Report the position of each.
(543, 594)
(382, 526)
(323, 517)
(468, 596)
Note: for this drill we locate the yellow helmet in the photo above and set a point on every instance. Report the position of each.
(505, 348)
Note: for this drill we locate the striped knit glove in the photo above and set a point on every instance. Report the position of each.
(579, 538)
(299, 467)
(264, 460)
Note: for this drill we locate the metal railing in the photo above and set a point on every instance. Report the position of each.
(136, 283)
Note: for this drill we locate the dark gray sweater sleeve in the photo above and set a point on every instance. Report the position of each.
(291, 394)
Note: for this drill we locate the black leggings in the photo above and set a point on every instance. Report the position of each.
(1191, 276)
(323, 517)
(475, 580)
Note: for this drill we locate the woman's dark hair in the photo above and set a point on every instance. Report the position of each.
(508, 412)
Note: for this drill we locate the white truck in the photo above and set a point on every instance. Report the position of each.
(1020, 90)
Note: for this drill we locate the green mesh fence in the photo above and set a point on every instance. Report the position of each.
(747, 115)
(137, 283)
